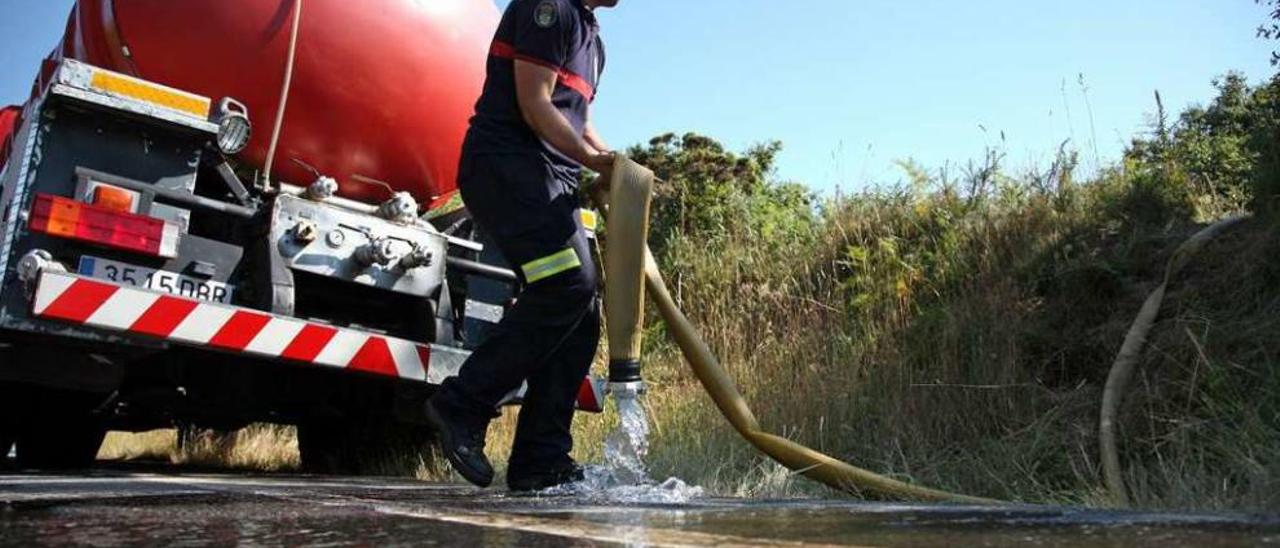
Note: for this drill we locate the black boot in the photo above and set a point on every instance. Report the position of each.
(462, 443)
(541, 480)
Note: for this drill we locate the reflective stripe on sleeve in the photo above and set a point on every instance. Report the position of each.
(505, 50)
(551, 265)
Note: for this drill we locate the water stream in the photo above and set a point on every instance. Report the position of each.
(627, 446)
(624, 477)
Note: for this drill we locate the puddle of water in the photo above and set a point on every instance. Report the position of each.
(624, 478)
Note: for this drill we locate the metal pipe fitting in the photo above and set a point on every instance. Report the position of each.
(378, 252)
(322, 189)
(626, 390)
(401, 208)
(624, 371)
(419, 257)
(35, 262)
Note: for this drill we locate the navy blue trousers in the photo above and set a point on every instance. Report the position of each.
(549, 337)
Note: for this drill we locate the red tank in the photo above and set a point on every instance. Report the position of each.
(381, 88)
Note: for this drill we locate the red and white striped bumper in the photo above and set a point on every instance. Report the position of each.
(94, 303)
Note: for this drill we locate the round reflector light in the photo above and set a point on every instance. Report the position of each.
(234, 129)
(233, 133)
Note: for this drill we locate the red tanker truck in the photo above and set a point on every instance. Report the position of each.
(219, 212)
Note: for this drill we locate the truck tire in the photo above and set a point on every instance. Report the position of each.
(9, 411)
(362, 448)
(59, 429)
(6, 444)
(60, 443)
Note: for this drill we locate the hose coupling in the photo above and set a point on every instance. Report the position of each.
(624, 371)
(625, 390)
(378, 252)
(35, 262)
(419, 257)
(624, 379)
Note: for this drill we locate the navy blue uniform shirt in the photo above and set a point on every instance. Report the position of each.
(562, 35)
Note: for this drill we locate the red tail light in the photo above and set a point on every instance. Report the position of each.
(67, 218)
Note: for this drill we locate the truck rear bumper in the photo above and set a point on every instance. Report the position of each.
(89, 302)
(94, 303)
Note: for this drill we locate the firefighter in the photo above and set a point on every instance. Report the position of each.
(529, 138)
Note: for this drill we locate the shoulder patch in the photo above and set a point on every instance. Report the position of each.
(546, 15)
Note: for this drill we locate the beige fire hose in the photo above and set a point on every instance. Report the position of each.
(1127, 359)
(631, 193)
(626, 209)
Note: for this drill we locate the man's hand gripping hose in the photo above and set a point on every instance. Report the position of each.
(624, 202)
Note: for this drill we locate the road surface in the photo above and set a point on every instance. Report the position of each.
(163, 506)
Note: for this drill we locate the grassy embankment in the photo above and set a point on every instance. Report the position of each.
(957, 331)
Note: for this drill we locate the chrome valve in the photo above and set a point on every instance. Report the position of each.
(401, 208)
(322, 189)
(379, 252)
(416, 258)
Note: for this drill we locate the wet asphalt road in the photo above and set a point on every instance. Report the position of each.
(161, 507)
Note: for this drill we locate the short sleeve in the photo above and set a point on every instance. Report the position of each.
(545, 34)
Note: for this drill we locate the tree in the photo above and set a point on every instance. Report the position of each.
(1230, 147)
(1270, 30)
(711, 194)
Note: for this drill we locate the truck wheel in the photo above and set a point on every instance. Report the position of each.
(9, 412)
(364, 448)
(60, 443)
(6, 443)
(62, 431)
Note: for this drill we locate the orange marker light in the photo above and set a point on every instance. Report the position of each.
(115, 198)
(64, 217)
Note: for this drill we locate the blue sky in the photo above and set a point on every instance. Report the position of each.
(850, 86)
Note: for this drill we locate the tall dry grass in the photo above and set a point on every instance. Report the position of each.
(961, 339)
(263, 447)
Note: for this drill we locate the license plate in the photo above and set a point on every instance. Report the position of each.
(156, 280)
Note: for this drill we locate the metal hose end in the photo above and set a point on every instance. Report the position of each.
(624, 371)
